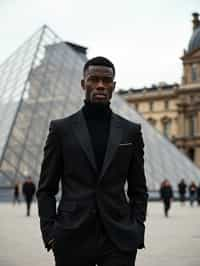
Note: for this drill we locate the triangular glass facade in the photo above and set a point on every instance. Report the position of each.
(41, 82)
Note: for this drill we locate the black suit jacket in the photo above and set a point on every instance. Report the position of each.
(69, 158)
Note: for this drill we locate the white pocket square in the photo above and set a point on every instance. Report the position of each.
(126, 144)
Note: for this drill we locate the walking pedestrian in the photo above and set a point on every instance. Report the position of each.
(16, 192)
(198, 194)
(28, 190)
(166, 194)
(192, 193)
(182, 191)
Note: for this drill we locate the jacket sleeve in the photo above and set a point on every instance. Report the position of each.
(51, 171)
(137, 189)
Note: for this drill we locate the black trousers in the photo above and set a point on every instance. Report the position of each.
(167, 205)
(89, 245)
(28, 201)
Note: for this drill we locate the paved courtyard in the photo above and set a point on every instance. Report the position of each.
(171, 241)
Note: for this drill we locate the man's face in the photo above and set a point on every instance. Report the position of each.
(98, 84)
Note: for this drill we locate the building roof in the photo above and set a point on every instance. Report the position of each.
(149, 89)
(194, 42)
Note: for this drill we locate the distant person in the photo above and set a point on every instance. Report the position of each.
(166, 194)
(28, 190)
(192, 192)
(16, 192)
(198, 194)
(182, 190)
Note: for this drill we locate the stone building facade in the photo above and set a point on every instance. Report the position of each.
(174, 109)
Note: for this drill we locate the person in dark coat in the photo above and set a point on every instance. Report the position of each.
(182, 190)
(192, 192)
(198, 194)
(166, 194)
(94, 153)
(16, 192)
(28, 190)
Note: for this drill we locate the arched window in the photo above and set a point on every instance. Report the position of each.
(166, 104)
(136, 106)
(191, 125)
(166, 122)
(152, 121)
(191, 154)
(194, 72)
(151, 105)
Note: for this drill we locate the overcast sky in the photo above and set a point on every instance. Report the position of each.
(144, 39)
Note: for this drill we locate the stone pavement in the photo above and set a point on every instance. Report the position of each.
(173, 241)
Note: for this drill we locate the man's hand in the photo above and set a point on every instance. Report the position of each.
(51, 244)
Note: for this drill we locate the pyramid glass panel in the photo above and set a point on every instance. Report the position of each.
(41, 82)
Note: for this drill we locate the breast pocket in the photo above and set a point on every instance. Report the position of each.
(125, 150)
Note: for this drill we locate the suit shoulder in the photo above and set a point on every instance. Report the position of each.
(128, 123)
(63, 122)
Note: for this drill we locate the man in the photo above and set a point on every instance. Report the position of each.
(166, 194)
(28, 190)
(192, 192)
(93, 153)
(182, 191)
(198, 194)
(16, 192)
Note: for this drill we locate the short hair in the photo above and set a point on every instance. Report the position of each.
(99, 61)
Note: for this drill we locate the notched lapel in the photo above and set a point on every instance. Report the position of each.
(82, 134)
(114, 140)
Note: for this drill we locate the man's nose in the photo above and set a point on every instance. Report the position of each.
(100, 84)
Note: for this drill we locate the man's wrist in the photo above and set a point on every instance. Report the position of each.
(50, 244)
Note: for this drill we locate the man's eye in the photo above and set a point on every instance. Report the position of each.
(107, 79)
(103, 79)
(94, 79)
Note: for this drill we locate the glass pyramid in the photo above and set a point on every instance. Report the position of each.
(41, 82)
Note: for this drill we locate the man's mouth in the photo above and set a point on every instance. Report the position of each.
(100, 96)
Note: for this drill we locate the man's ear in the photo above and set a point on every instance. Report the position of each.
(114, 84)
(83, 84)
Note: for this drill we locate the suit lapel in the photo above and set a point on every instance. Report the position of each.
(82, 134)
(114, 140)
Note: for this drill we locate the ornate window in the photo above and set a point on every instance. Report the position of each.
(151, 121)
(191, 154)
(191, 125)
(194, 72)
(151, 105)
(166, 122)
(136, 106)
(166, 104)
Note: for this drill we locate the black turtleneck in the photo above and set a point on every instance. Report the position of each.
(98, 117)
